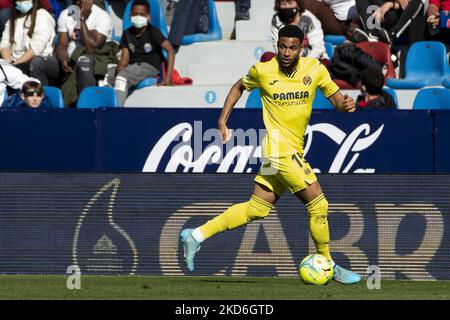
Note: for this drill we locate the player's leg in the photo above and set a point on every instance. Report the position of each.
(258, 207)
(317, 206)
(304, 185)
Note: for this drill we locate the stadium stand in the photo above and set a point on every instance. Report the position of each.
(55, 96)
(430, 71)
(334, 39)
(330, 49)
(97, 97)
(432, 99)
(381, 52)
(446, 83)
(393, 95)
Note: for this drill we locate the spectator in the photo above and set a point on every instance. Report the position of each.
(84, 47)
(292, 12)
(242, 9)
(5, 13)
(338, 17)
(437, 10)
(190, 17)
(390, 20)
(141, 46)
(372, 94)
(27, 40)
(32, 96)
(11, 78)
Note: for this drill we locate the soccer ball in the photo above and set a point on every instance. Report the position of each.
(315, 269)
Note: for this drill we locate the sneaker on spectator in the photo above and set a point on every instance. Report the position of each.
(360, 35)
(382, 35)
(242, 13)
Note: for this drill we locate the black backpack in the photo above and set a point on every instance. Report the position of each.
(349, 60)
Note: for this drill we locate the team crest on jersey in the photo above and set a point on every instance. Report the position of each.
(307, 80)
(147, 47)
(307, 171)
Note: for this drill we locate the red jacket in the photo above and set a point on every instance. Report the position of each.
(441, 4)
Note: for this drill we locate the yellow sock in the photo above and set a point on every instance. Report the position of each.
(236, 216)
(318, 224)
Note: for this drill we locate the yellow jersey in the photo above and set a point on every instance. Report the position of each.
(287, 101)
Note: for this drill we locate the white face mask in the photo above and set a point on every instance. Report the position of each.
(139, 21)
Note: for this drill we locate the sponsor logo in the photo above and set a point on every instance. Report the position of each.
(291, 95)
(244, 148)
(273, 82)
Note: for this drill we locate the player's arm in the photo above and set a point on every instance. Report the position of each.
(232, 97)
(341, 102)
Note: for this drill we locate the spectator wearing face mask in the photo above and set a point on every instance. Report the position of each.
(292, 12)
(141, 46)
(27, 40)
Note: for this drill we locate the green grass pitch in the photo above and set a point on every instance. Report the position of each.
(206, 288)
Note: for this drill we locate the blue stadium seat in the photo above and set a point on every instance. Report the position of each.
(334, 39)
(330, 49)
(426, 65)
(96, 97)
(214, 29)
(432, 99)
(446, 82)
(55, 96)
(320, 102)
(393, 94)
(254, 100)
(156, 11)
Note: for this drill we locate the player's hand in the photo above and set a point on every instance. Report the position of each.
(225, 133)
(348, 104)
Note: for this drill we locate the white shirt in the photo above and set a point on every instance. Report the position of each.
(98, 20)
(41, 41)
(343, 9)
(15, 78)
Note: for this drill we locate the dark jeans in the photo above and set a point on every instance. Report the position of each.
(44, 69)
(186, 20)
(395, 21)
(85, 72)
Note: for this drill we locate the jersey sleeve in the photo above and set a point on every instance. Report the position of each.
(326, 85)
(157, 36)
(251, 79)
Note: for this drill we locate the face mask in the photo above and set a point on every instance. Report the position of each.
(24, 6)
(287, 14)
(139, 21)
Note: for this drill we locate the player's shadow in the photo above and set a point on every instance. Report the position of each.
(227, 281)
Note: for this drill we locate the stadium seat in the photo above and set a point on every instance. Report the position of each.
(330, 49)
(426, 65)
(96, 97)
(254, 100)
(334, 39)
(156, 11)
(320, 102)
(432, 98)
(446, 83)
(393, 94)
(55, 96)
(379, 51)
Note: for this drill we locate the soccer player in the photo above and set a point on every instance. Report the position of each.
(287, 83)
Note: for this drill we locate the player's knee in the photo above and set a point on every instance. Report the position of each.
(257, 208)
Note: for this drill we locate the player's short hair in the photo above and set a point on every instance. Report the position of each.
(141, 3)
(291, 31)
(373, 80)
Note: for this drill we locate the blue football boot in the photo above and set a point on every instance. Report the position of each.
(190, 247)
(345, 276)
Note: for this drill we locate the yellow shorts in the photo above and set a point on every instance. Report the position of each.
(292, 173)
